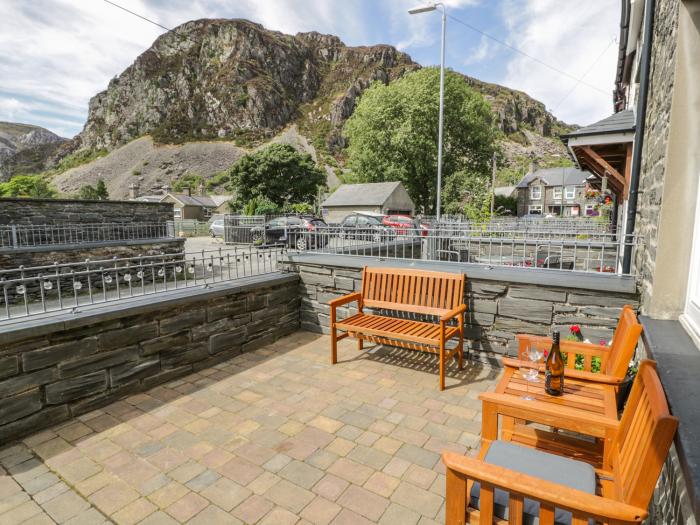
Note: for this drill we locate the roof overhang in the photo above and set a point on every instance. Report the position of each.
(607, 156)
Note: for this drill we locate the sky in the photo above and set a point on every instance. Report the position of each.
(57, 54)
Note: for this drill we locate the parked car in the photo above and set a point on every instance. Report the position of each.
(216, 229)
(296, 231)
(365, 226)
(405, 225)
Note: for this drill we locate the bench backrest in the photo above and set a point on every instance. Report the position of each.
(646, 431)
(623, 343)
(415, 291)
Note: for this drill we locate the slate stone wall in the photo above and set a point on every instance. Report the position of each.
(65, 211)
(496, 310)
(50, 378)
(658, 119)
(14, 258)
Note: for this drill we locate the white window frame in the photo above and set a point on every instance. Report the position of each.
(533, 207)
(177, 213)
(690, 319)
(556, 193)
(570, 193)
(532, 192)
(589, 207)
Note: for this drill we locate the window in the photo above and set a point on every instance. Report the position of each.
(691, 316)
(570, 192)
(591, 211)
(350, 221)
(178, 213)
(536, 193)
(206, 212)
(556, 194)
(534, 209)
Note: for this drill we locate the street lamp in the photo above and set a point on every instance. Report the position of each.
(426, 9)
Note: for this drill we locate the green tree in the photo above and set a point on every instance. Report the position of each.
(189, 180)
(32, 186)
(94, 193)
(394, 129)
(277, 173)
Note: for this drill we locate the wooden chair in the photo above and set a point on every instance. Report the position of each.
(530, 483)
(614, 360)
(418, 292)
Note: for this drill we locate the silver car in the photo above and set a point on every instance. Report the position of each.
(217, 228)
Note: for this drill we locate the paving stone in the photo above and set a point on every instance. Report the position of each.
(113, 497)
(320, 511)
(252, 509)
(159, 518)
(225, 493)
(279, 517)
(134, 512)
(376, 459)
(301, 474)
(187, 506)
(203, 480)
(90, 516)
(420, 456)
(330, 487)
(27, 511)
(65, 506)
(419, 500)
(168, 494)
(213, 515)
(399, 515)
(348, 517)
(363, 502)
(351, 471)
(289, 496)
(382, 484)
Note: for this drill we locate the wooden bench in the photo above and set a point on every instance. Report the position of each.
(614, 360)
(529, 483)
(419, 292)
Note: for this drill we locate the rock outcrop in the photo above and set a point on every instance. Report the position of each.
(25, 148)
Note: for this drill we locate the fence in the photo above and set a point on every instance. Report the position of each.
(244, 229)
(53, 288)
(529, 223)
(17, 236)
(188, 228)
(580, 252)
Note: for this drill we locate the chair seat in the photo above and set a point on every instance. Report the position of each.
(392, 327)
(557, 469)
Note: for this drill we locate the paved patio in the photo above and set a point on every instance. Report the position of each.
(276, 436)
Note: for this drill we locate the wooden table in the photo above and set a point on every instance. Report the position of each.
(588, 409)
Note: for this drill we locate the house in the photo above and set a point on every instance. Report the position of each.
(556, 191)
(199, 207)
(185, 205)
(376, 197)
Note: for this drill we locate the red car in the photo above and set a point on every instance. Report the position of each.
(403, 224)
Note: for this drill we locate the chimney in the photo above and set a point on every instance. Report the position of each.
(188, 191)
(202, 191)
(133, 190)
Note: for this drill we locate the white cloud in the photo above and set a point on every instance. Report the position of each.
(569, 39)
(486, 49)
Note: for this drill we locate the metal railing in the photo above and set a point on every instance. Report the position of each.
(188, 228)
(576, 252)
(528, 223)
(29, 291)
(18, 236)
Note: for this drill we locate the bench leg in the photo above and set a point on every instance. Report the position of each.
(359, 343)
(334, 345)
(460, 354)
(442, 363)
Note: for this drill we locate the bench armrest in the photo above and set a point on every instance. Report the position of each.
(594, 377)
(461, 468)
(454, 313)
(345, 299)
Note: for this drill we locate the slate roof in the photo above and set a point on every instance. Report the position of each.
(504, 191)
(370, 194)
(620, 122)
(208, 201)
(553, 177)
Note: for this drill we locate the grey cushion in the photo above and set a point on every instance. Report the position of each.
(557, 469)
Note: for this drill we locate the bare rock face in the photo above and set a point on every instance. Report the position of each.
(226, 79)
(25, 148)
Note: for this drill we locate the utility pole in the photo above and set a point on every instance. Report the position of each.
(493, 182)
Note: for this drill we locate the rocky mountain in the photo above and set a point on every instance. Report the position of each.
(235, 81)
(25, 148)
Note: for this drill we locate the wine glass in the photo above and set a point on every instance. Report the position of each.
(529, 370)
(534, 354)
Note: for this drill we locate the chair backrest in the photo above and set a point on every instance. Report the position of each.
(416, 291)
(624, 342)
(646, 431)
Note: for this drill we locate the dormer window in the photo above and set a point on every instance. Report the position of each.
(535, 192)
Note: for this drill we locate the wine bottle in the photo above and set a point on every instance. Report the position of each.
(554, 371)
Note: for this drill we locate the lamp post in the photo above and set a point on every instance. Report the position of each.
(425, 9)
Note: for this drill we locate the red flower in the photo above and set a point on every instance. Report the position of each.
(603, 342)
(575, 329)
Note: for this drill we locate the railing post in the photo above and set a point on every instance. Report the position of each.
(14, 236)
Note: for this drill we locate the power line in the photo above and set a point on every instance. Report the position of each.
(573, 88)
(145, 18)
(513, 48)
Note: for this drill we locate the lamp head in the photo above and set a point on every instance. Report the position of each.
(422, 9)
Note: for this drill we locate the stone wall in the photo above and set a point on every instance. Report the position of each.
(496, 310)
(68, 368)
(64, 211)
(658, 118)
(45, 255)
